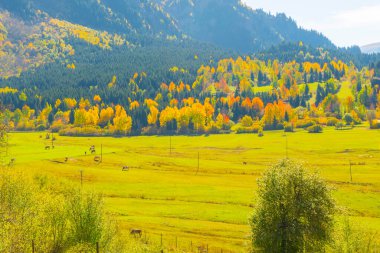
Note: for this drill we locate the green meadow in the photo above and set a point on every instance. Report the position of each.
(201, 190)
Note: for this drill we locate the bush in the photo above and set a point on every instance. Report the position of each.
(375, 124)
(82, 131)
(150, 130)
(332, 121)
(352, 238)
(322, 121)
(315, 129)
(339, 125)
(288, 127)
(247, 121)
(40, 128)
(305, 123)
(58, 217)
(57, 126)
(348, 118)
(249, 130)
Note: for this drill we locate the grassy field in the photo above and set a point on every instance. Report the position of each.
(165, 192)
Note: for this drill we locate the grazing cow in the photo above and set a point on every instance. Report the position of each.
(66, 159)
(12, 161)
(245, 163)
(47, 147)
(92, 148)
(93, 151)
(125, 168)
(136, 232)
(97, 158)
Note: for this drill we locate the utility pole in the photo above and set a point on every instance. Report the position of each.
(286, 137)
(351, 170)
(81, 178)
(170, 145)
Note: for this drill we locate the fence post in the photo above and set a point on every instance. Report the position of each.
(97, 247)
(161, 239)
(32, 246)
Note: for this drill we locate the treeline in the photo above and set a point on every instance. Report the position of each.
(267, 95)
(301, 52)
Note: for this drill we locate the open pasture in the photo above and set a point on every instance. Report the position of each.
(165, 189)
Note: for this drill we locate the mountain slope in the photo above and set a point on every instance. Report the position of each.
(371, 48)
(121, 16)
(231, 24)
(226, 23)
(26, 45)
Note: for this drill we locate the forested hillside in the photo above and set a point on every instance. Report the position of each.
(231, 24)
(228, 24)
(243, 95)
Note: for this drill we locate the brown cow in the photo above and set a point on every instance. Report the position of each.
(136, 232)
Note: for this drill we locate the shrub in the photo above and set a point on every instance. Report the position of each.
(332, 121)
(247, 121)
(57, 126)
(41, 127)
(375, 124)
(288, 127)
(351, 238)
(248, 130)
(149, 130)
(57, 216)
(315, 129)
(339, 125)
(82, 131)
(348, 118)
(322, 121)
(305, 123)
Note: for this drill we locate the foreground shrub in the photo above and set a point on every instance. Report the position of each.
(294, 211)
(351, 238)
(56, 218)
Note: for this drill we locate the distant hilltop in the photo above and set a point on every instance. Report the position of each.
(371, 48)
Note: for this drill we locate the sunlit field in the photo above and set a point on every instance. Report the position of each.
(201, 190)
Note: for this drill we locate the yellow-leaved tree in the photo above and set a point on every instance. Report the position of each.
(122, 123)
